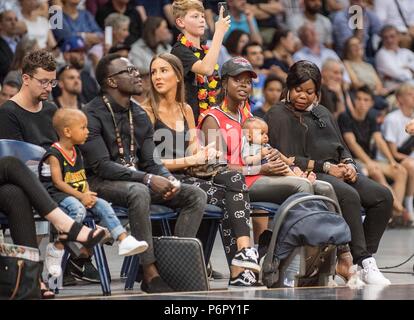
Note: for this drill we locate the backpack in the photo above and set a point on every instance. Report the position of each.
(303, 220)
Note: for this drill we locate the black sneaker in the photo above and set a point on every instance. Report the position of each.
(68, 279)
(245, 279)
(247, 258)
(156, 285)
(83, 269)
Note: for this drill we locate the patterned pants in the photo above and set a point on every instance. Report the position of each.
(228, 190)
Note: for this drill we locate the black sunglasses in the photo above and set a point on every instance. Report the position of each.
(132, 71)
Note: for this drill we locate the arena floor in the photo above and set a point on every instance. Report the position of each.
(396, 247)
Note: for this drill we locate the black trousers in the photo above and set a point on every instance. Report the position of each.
(20, 190)
(227, 190)
(375, 199)
(138, 198)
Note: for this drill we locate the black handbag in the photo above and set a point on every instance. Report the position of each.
(19, 275)
(180, 262)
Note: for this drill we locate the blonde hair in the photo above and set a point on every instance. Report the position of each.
(65, 117)
(181, 7)
(403, 89)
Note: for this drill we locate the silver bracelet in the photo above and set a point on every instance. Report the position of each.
(148, 183)
(326, 167)
(249, 169)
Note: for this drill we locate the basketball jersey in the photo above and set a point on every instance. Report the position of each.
(72, 169)
(231, 130)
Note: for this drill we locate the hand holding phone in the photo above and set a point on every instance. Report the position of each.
(223, 21)
(225, 8)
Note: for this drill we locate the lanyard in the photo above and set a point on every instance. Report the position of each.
(131, 162)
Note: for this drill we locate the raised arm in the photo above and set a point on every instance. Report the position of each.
(207, 64)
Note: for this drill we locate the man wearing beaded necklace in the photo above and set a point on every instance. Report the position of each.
(199, 62)
(119, 159)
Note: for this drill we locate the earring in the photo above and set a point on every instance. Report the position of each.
(288, 96)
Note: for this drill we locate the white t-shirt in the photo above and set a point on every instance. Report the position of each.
(38, 30)
(393, 130)
(322, 24)
(387, 12)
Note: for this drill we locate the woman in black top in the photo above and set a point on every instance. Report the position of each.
(177, 145)
(316, 143)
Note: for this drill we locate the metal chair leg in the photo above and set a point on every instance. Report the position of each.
(132, 273)
(101, 264)
(126, 264)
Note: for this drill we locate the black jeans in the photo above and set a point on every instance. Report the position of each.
(228, 191)
(137, 198)
(375, 199)
(20, 190)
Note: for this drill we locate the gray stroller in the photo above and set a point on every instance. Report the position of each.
(309, 226)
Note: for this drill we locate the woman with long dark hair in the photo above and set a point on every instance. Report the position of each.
(302, 128)
(173, 119)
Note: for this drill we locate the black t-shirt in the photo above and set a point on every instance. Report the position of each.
(187, 57)
(73, 172)
(17, 123)
(363, 130)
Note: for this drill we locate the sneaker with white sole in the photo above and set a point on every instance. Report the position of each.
(131, 246)
(371, 274)
(245, 279)
(53, 260)
(247, 258)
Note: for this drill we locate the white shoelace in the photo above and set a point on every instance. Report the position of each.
(249, 276)
(252, 253)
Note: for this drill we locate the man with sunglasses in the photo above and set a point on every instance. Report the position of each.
(28, 116)
(121, 165)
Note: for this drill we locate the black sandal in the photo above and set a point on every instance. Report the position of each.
(72, 235)
(46, 293)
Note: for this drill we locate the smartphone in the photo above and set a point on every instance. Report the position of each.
(226, 10)
(108, 35)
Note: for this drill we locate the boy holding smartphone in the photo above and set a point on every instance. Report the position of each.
(199, 61)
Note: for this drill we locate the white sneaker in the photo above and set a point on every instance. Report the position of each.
(53, 260)
(131, 246)
(371, 274)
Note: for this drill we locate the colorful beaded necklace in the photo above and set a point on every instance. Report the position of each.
(207, 85)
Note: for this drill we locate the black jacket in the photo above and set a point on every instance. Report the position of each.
(307, 136)
(100, 151)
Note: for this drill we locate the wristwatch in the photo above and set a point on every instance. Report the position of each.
(148, 183)
(326, 166)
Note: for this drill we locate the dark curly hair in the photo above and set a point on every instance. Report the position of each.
(38, 59)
